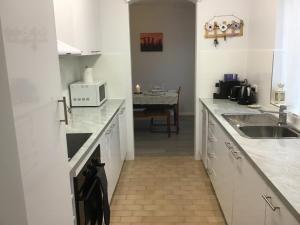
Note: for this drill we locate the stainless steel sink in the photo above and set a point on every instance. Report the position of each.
(260, 126)
(269, 132)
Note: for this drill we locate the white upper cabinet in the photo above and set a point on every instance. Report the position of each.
(78, 24)
(64, 21)
(86, 24)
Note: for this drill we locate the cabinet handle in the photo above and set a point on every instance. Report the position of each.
(211, 155)
(267, 199)
(209, 172)
(95, 51)
(65, 110)
(122, 111)
(236, 154)
(228, 145)
(211, 139)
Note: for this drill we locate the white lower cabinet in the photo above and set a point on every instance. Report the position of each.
(276, 212)
(244, 196)
(223, 167)
(248, 205)
(111, 154)
(123, 133)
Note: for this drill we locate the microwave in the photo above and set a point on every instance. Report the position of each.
(87, 94)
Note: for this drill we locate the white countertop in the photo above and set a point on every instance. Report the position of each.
(91, 120)
(277, 159)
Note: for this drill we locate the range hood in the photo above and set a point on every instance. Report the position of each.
(65, 49)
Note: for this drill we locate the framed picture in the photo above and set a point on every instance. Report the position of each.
(151, 42)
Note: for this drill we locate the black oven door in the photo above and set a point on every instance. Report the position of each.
(89, 203)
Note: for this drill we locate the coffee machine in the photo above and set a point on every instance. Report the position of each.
(224, 89)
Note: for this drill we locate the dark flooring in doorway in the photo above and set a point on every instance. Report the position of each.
(150, 143)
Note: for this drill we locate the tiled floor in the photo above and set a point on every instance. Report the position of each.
(148, 143)
(165, 190)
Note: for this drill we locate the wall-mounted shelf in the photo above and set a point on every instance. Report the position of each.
(215, 29)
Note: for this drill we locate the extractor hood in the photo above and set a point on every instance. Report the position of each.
(65, 49)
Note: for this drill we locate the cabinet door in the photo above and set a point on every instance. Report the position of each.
(204, 115)
(211, 158)
(123, 133)
(86, 25)
(276, 212)
(106, 158)
(248, 205)
(116, 148)
(40, 154)
(224, 172)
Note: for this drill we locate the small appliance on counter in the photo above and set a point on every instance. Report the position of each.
(235, 93)
(87, 94)
(225, 86)
(247, 94)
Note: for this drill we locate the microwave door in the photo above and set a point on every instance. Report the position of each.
(102, 92)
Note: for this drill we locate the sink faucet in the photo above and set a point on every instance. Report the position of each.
(282, 114)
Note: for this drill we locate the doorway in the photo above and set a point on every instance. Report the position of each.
(169, 66)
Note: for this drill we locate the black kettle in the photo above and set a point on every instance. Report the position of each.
(247, 95)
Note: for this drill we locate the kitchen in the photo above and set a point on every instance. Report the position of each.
(46, 45)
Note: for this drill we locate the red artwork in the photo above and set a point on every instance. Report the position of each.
(151, 42)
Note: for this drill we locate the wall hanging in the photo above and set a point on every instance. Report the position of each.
(151, 42)
(227, 28)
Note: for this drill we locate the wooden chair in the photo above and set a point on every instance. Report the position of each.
(175, 109)
(156, 113)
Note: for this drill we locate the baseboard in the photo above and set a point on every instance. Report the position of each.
(186, 113)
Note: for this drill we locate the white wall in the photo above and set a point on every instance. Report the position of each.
(250, 56)
(70, 71)
(261, 44)
(114, 64)
(175, 65)
(211, 62)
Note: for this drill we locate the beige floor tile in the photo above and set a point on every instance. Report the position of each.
(165, 190)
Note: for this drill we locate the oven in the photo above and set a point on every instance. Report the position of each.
(90, 188)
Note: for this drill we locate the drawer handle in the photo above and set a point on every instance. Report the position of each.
(209, 172)
(211, 139)
(228, 145)
(236, 154)
(267, 199)
(211, 155)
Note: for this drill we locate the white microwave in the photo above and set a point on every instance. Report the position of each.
(87, 94)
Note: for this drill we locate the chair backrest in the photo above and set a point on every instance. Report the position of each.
(178, 92)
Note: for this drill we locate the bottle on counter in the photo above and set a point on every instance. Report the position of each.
(279, 94)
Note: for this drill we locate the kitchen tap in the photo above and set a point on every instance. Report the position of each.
(282, 120)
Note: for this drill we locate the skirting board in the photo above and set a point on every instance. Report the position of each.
(186, 113)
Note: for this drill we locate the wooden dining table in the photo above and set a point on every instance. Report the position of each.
(162, 100)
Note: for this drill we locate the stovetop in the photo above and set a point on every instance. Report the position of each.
(75, 141)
